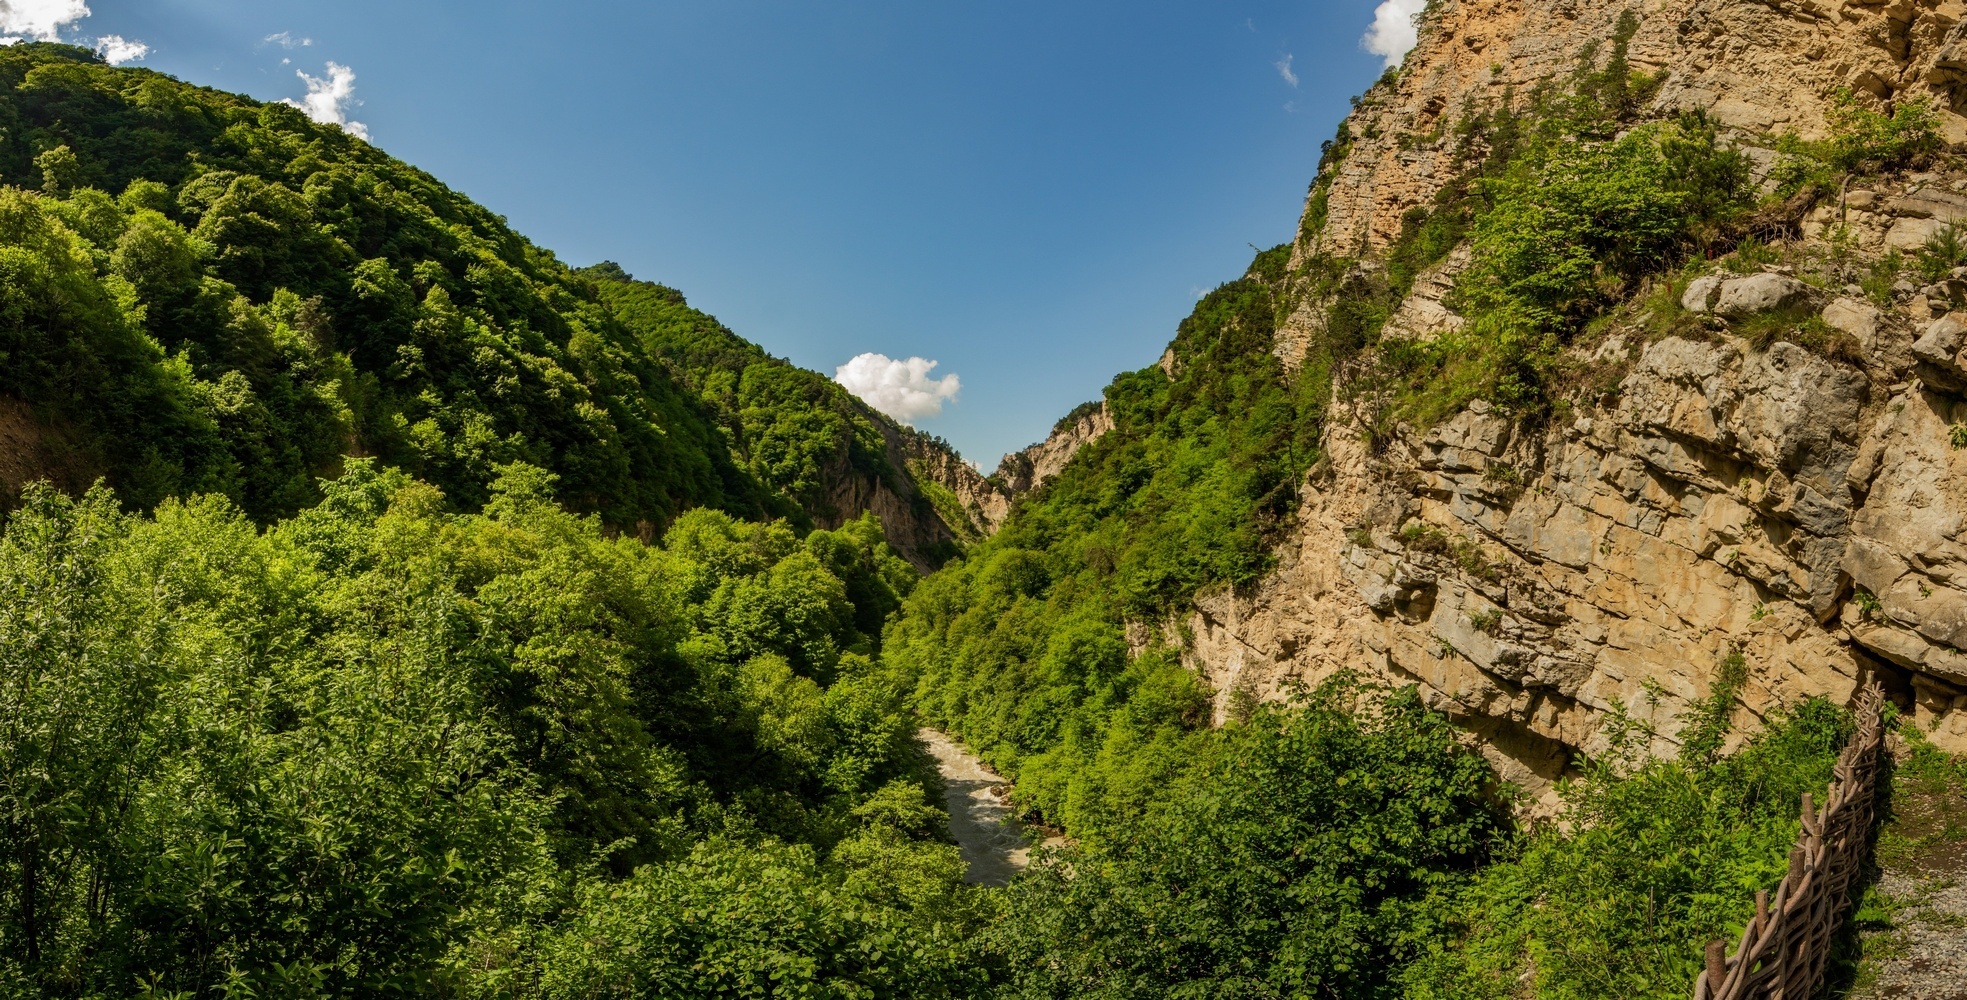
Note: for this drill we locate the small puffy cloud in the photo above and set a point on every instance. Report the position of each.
(286, 40)
(117, 50)
(1393, 31)
(900, 389)
(1284, 70)
(329, 98)
(41, 20)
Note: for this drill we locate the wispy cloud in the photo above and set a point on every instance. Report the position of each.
(286, 40)
(329, 98)
(1284, 70)
(117, 50)
(900, 389)
(1394, 30)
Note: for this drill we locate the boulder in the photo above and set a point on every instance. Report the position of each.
(1940, 343)
(1760, 293)
(1700, 293)
(1855, 317)
(1937, 204)
(1911, 234)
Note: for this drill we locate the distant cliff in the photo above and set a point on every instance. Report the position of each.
(984, 502)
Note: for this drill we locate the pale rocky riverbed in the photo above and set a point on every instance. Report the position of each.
(994, 843)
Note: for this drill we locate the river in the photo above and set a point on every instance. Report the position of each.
(980, 817)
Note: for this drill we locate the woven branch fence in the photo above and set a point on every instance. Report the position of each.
(1784, 951)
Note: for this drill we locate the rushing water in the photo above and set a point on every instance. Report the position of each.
(993, 841)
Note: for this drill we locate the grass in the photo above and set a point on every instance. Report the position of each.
(1802, 326)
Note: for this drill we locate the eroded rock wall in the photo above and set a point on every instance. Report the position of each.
(986, 501)
(1804, 509)
(1758, 68)
(1024, 471)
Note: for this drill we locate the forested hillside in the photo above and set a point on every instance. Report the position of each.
(796, 431)
(206, 294)
(381, 749)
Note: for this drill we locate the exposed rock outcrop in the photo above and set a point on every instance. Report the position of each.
(1757, 68)
(1024, 471)
(1802, 508)
(986, 501)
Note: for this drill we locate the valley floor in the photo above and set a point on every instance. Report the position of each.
(993, 841)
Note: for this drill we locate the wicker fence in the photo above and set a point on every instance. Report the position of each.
(1784, 950)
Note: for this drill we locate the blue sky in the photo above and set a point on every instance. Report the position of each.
(1031, 194)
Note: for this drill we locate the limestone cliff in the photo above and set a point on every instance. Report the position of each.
(984, 502)
(1024, 471)
(915, 525)
(1804, 509)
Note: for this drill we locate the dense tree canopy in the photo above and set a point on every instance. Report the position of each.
(218, 295)
(380, 748)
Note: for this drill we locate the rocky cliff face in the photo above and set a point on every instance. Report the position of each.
(1024, 471)
(919, 530)
(1758, 68)
(1802, 509)
(986, 501)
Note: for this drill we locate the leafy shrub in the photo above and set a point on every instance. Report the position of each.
(380, 748)
(1301, 855)
(1861, 138)
(1943, 252)
(1642, 869)
(1572, 224)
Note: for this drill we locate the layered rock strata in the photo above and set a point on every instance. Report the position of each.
(1802, 509)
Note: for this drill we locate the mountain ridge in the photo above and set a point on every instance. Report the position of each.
(281, 294)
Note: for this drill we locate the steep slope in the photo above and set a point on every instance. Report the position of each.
(210, 294)
(984, 502)
(1759, 471)
(1541, 487)
(796, 431)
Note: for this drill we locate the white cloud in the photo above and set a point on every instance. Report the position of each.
(286, 40)
(41, 20)
(1284, 69)
(328, 99)
(900, 389)
(117, 50)
(1393, 31)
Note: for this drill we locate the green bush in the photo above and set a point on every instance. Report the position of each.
(380, 748)
(1863, 139)
(1571, 226)
(1302, 854)
(1647, 863)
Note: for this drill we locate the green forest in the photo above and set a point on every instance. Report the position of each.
(407, 613)
(206, 294)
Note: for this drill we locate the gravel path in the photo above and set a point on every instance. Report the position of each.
(992, 839)
(1923, 957)
(1930, 946)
